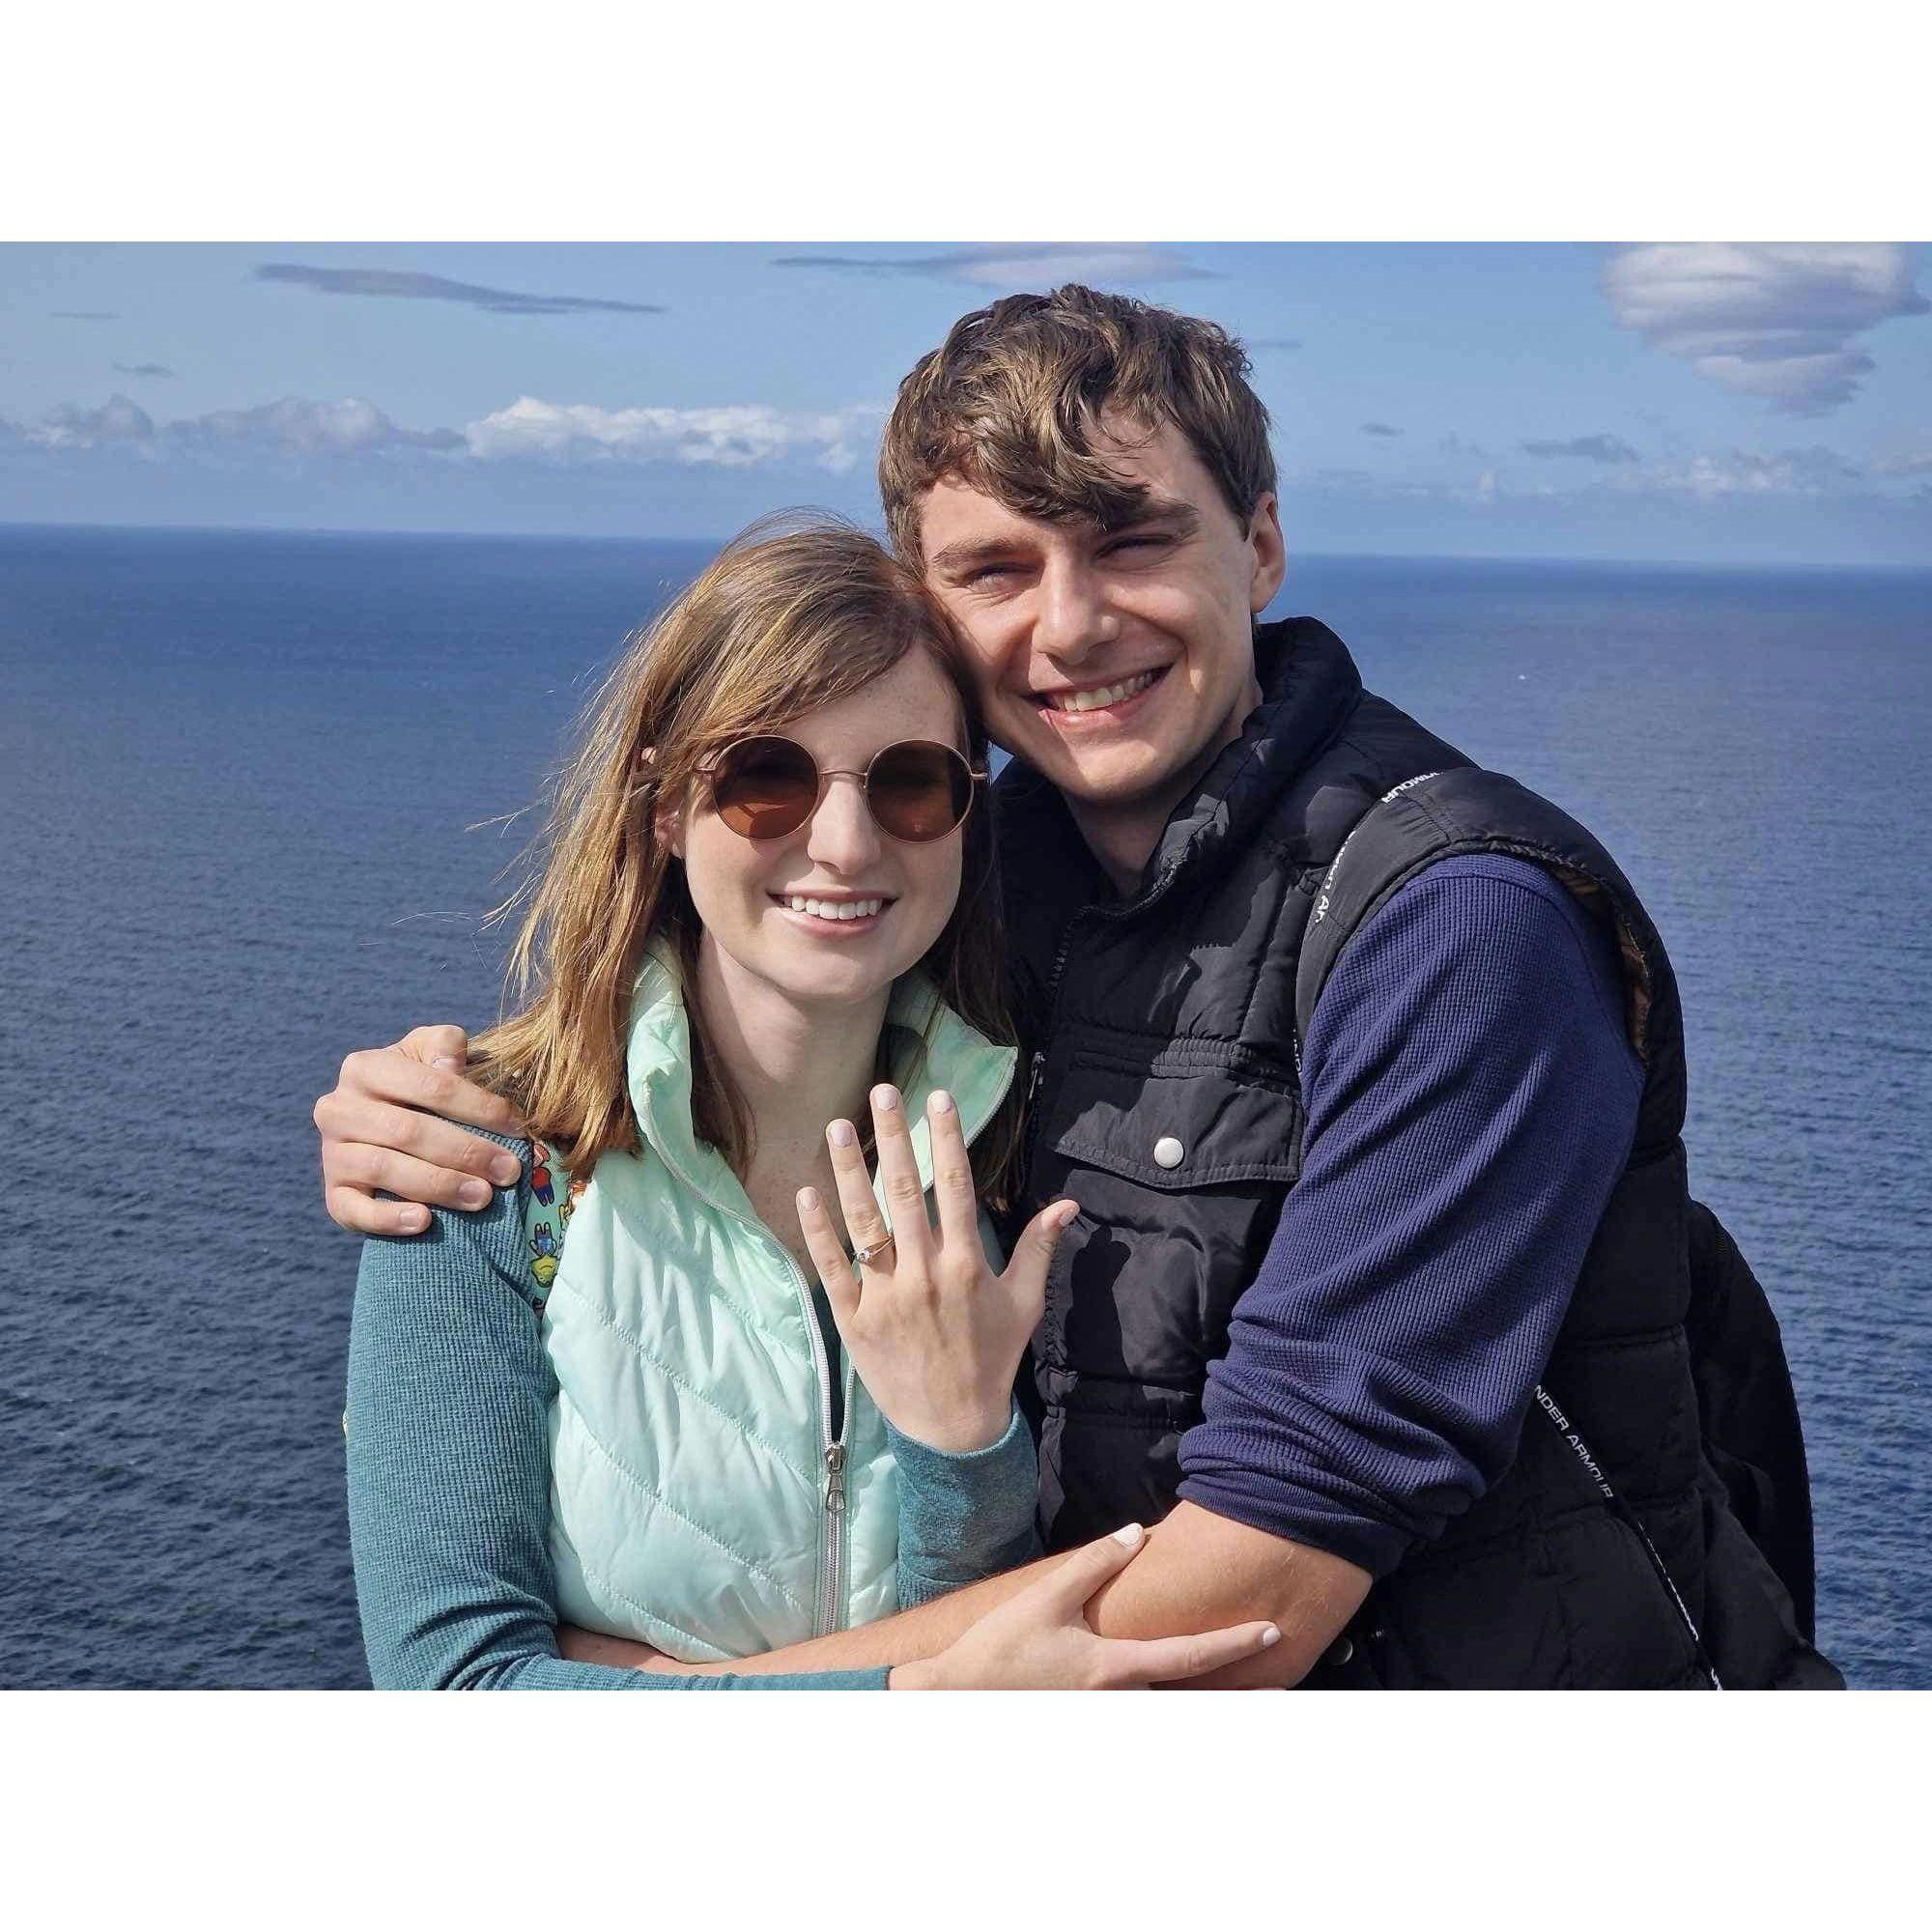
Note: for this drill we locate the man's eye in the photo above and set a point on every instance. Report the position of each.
(1152, 540)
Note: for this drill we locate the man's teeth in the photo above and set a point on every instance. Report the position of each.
(834, 908)
(1108, 694)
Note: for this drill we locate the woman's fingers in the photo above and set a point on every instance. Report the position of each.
(1173, 1660)
(1067, 1588)
(828, 1257)
(898, 1177)
(953, 1185)
(1033, 1253)
(864, 1224)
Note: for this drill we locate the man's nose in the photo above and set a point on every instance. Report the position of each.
(843, 837)
(1073, 613)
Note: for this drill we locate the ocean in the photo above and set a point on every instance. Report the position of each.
(257, 791)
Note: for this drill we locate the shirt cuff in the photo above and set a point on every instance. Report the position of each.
(965, 1516)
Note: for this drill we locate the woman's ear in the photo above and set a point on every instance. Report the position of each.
(666, 819)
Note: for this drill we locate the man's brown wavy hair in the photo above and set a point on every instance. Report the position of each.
(791, 615)
(1010, 403)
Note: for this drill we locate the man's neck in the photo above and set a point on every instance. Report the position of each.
(1122, 837)
(796, 1065)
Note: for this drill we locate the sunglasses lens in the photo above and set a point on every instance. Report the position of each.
(765, 787)
(919, 790)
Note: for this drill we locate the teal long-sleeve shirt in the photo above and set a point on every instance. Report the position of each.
(449, 1389)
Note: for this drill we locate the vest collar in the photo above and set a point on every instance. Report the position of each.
(1309, 686)
(958, 1057)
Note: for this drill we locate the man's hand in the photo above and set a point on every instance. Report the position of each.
(381, 1131)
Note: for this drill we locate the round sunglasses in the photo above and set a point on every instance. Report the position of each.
(916, 790)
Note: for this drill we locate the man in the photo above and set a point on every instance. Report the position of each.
(1381, 1297)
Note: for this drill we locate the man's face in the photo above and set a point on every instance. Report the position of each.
(1114, 662)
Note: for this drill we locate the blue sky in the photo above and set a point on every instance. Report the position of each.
(1690, 401)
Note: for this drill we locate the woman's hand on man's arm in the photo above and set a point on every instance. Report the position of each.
(1200, 1572)
(387, 1125)
(1030, 1629)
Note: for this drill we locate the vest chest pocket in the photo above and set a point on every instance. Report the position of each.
(1179, 1161)
(1180, 1122)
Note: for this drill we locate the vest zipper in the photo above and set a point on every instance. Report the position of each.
(1122, 909)
(1037, 1068)
(828, 1612)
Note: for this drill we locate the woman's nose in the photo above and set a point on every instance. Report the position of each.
(843, 835)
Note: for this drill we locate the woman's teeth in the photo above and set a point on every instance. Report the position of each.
(833, 908)
(1108, 694)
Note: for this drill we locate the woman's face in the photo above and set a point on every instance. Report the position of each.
(747, 892)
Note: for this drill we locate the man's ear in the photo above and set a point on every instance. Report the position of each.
(1270, 553)
(667, 818)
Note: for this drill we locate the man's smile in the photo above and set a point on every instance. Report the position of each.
(1075, 706)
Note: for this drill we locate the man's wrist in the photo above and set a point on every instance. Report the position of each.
(919, 1675)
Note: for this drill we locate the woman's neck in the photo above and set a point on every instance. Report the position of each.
(797, 1067)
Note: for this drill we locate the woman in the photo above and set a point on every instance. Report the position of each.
(766, 902)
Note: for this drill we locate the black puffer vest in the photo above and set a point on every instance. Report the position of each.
(1161, 1033)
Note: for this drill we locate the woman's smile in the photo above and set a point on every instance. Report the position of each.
(835, 915)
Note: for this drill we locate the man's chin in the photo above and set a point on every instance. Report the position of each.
(1109, 778)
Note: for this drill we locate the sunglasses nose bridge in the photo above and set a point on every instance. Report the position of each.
(842, 831)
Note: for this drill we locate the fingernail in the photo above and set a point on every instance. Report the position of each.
(942, 1102)
(474, 1193)
(1129, 1533)
(839, 1133)
(1069, 1214)
(444, 1061)
(503, 1170)
(807, 1199)
(412, 1220)
(884, 1098)
(1271, 1636)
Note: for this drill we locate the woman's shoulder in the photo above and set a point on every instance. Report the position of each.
(494, 1237)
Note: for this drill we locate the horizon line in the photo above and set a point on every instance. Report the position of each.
(717, 542)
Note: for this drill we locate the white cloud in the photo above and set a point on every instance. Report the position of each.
(733, 435)
(119, 419)
(288, 426)
(1812, 472)
(736, 436)
(351, 427)
(1774, 321)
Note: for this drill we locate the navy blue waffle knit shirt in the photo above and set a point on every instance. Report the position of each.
(1471, 1097)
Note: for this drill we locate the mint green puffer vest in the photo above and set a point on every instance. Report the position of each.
(697, 1499)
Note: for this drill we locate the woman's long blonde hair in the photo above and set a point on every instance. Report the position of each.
(785, 619)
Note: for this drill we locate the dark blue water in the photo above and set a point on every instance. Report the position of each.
(247, 791)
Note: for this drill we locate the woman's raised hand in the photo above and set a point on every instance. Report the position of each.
(935, 1335)
(1039, 1638)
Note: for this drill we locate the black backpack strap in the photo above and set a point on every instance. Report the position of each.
(1380, 852)
(1749, 1412)
(1444, 814)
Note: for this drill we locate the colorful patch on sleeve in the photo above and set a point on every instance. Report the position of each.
(546, 1216)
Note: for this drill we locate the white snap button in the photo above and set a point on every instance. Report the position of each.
(1168, 1151)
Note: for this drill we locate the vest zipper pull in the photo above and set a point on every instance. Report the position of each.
(834, 1478)
(1038, 1067)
